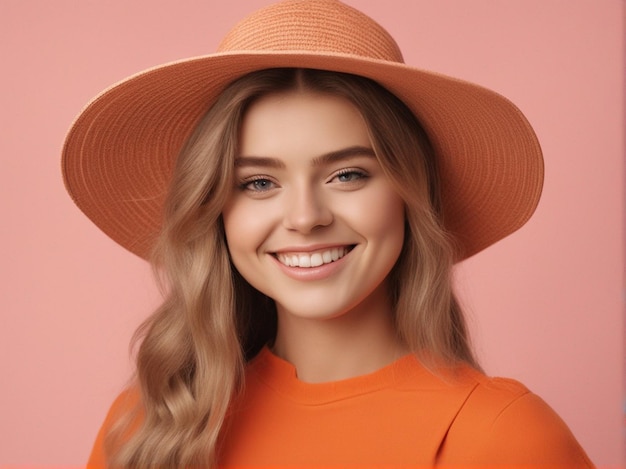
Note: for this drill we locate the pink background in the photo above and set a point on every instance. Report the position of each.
(545, 304)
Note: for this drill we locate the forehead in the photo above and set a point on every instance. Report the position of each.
(301, 122)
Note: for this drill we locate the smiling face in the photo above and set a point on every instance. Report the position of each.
(312, 222)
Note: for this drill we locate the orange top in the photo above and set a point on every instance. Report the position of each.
(400, 416)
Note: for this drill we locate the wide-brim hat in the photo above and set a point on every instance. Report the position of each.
(120, 151)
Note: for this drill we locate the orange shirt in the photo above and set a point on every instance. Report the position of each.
(401, 416)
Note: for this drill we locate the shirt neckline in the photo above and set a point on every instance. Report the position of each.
(405, 373)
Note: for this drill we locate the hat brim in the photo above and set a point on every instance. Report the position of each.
(120, 152)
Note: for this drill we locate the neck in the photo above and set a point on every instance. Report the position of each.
(355, 343)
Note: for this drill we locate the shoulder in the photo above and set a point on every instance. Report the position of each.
(126, 404)
(502, 423)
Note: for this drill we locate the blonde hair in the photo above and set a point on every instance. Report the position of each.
(191, 359)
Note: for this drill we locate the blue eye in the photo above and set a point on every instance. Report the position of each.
(257, 185)
(350, 175)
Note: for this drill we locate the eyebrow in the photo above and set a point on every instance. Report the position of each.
(333, 156)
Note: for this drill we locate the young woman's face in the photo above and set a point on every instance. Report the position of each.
(312, 222)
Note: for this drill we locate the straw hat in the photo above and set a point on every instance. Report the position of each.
(120, 151)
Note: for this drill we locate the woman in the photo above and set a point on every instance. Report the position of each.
(305, 244)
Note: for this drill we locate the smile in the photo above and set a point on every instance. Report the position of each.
(312, 259)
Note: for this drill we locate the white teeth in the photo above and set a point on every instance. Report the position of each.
(312, 260)
(327, 257)
(316, 259)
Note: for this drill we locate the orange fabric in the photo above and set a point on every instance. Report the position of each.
(125, 403)
(398, 417)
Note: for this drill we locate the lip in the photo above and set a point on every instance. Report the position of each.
(312, 273)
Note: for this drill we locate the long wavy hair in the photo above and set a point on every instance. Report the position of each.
(193, 349)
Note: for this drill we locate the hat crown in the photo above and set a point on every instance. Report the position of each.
(316, 26)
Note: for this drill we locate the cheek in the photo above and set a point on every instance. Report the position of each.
(235, 225)
(384, 216)
(387, 228)
(245, 227)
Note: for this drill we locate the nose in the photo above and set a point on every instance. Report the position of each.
(305, 210)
